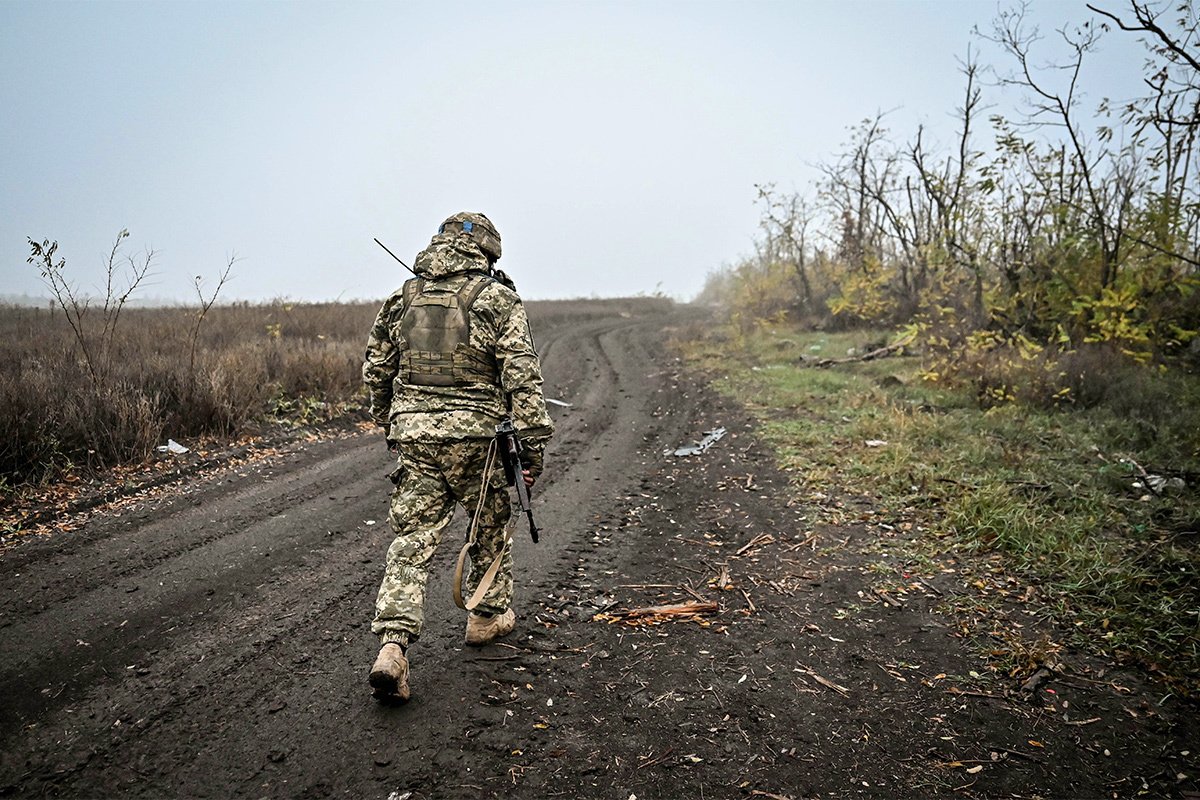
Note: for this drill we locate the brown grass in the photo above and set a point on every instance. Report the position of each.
(256, 364)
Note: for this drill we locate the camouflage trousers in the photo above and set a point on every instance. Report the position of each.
(434, 477)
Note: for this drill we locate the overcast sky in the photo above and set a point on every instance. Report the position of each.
(616, 145)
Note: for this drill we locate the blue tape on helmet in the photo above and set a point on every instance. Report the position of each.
(468, 226)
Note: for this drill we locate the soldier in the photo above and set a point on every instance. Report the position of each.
(449, 356)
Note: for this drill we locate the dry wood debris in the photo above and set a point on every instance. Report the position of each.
(653, 615)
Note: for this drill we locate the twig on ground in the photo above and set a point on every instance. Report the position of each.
(810, 539)
(891, 601)
(828, 684)
(928, 585)
(890, 673)
(645, 586)
(1029, 756)
(749, 602)
(761, 539)
(723, 581)
(659, 759)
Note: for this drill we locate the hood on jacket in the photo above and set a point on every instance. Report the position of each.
(448, 254)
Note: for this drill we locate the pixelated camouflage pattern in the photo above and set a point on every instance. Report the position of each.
(484, 232)
(498, 324)
(434, 477)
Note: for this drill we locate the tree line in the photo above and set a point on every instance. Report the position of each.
(1070, 232)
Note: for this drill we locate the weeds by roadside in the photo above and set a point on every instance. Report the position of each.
(1096, 507)
(251, 365)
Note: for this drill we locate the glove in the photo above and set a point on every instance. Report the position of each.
(531, 460)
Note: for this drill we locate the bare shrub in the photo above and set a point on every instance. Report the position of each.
(1098, 375)
(121, 423)
(53, 418)
(31, 440)
(236, 390)
(245, 366)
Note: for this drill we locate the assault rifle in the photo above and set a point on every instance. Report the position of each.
(514, 471)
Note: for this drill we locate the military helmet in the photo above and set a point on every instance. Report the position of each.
(479, 228)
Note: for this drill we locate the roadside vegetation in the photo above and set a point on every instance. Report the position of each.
(248, 367)
(90, 383)
(1100, 515)
(1014, 257)
(1031, 304)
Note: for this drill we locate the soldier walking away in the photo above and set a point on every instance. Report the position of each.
(449, 357)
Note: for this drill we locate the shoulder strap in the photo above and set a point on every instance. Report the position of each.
(470, 290)
(489, 577)
(469, 293)
(412, 288)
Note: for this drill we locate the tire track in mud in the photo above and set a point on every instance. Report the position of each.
(144, 546)
(128, 612)
(237, 666)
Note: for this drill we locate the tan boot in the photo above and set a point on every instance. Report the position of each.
(389, 675)
(481, 630)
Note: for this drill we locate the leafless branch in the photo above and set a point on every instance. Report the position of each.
(1147, 23)
(206, 303)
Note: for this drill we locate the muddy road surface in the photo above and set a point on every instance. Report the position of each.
(212, 639)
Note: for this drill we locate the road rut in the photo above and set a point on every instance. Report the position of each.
(196, 643)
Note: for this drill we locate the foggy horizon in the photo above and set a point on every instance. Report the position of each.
(616, 146)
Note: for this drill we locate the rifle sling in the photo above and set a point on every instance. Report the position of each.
(489, 577)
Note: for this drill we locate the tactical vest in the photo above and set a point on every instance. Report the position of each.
(435, 336)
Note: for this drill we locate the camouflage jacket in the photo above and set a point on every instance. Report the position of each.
(498, 325)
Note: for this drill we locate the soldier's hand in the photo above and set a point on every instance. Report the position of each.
(393, 446)
(529, 479)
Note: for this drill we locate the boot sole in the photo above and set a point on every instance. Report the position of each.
(387, 689)
(389, 698)
(382, 682)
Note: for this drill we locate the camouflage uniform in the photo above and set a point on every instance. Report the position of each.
(443, 433)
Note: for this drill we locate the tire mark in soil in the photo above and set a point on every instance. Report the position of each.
(120, 619)
(85, 560)
(247, 663)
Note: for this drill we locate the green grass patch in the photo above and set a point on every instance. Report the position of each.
(1059, 494)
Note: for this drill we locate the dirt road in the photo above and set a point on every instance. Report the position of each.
(213, 640)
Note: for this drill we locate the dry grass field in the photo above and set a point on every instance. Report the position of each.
(251, 363)
(63, 411)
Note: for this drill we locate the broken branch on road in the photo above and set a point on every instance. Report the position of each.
(653, 615)
(828, 684)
